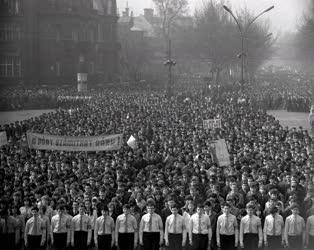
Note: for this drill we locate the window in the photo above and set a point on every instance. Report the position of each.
(84, 34)
(10, 32)
(58, 32)
(11, 7)
(10, 66)
(91, 68)
(58, 68)
(100, 33)
(57, 35)
(91, 35)
(75, 35)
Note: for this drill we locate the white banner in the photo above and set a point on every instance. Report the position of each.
(212, 123)
(222, 153)
(3, 138)
(81, 143)
(78, 97)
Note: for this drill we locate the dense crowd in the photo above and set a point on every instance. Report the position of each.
(167, 192)
(284, 89)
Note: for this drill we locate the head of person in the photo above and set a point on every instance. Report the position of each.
(200, 208)
(273, 210)
(170, 201)
(126, 209)
(111, 207)
(295, 209)
(60, 209)
(207, 206)
(226, 208)
(102, 194)
(104, 210)
(42, 209)
(34, 210)
(273, 194)
(174, 209)
(150, 206)
(45, 200)
(250, 209)
(81, 209)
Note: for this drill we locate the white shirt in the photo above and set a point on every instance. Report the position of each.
(250, 224)
(60, 226)
(99, 226)
(131, 223)
(151, 223)
(294, 225)
(200, 224)
(310, 225)
(269, 225)
(227, 224)
(81, 223)
(175, 224)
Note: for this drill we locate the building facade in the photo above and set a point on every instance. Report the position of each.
(42, 41)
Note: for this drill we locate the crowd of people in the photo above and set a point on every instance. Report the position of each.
(169, 191)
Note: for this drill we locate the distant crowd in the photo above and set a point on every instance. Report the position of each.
(167, 192)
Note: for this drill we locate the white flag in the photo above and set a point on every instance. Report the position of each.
(132, 142)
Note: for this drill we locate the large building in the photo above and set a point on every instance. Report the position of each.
(42, 41)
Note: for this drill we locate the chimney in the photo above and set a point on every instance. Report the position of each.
(126, 13)
(149, 14)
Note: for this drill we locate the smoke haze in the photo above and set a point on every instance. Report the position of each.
(286, 16)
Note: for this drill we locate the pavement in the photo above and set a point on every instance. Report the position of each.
(291, 119)
(12, 116)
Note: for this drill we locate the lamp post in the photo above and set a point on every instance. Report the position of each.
(257, 45)
(169, 63)
(243, 33)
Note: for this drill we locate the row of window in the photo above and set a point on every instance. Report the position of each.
(10, 66)
(10, 32)
(102, 34)
(102, 6)
(58, 68)
(11, 7)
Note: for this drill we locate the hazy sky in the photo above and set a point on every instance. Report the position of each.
(285, 17)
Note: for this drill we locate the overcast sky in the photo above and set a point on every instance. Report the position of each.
(285, 17)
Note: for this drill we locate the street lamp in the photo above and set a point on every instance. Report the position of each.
(169, 63)
(243, 32)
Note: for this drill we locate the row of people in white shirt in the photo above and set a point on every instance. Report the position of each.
(198, 223)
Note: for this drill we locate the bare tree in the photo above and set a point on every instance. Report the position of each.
(134, 55)
(217, 38)
(305, 37)
(169, 11)
(259, 43)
